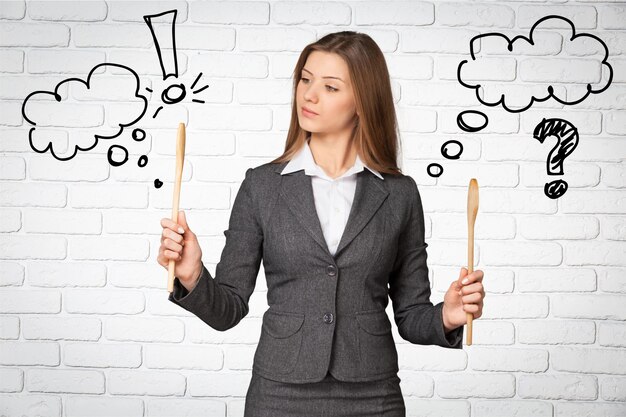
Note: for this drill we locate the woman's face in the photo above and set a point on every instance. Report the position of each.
(331, 98)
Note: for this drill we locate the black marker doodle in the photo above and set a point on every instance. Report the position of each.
(174, 93)
(114, 158)
(138, 135)
(591, 42)
(435, 170)
(462, 121)
(143, 161)
(41, 140)
(567, 140)
(565, 132)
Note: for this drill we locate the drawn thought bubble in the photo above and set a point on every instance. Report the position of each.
(548, 65)
(93, 119)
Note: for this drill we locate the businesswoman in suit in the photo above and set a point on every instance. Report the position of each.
(340, 230)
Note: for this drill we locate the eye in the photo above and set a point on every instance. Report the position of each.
(330, 88)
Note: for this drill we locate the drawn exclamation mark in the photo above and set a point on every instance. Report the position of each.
(166, 39)
(167, 36)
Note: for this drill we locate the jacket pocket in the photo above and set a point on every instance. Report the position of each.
(377, 348)
(280, 342)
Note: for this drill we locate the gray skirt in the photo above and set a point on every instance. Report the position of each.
(327, 398)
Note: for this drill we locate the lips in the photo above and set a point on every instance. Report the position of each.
(308, 110)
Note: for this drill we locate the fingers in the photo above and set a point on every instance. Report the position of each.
(182, 220)
(169, 224)
(165, 255)
(473, 298)
(477, 287)
(169, 234)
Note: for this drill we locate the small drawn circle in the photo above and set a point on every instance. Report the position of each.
(143, 161)
(117, 155)
(158, 183)
(434, 170)
(139, 134)
(555, 189)
(448, 152)
(461, 120)
(173, 94)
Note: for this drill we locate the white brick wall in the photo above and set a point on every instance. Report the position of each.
(85, 324)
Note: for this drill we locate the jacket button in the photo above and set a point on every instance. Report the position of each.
(331, 270)
(328, 318)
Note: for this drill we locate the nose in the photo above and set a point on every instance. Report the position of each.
(310, 93)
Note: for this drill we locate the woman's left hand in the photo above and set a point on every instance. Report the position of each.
(462, 298)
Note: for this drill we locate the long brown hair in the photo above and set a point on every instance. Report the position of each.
(376, 135)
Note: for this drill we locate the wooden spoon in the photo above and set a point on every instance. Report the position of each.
(180, 160)
(472, 211)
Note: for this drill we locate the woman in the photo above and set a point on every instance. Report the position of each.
(340, 230)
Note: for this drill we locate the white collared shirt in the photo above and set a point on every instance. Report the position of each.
(333, 197)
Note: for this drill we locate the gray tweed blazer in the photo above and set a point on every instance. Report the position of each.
(326, 313)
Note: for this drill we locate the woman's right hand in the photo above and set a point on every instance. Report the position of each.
(180, 244)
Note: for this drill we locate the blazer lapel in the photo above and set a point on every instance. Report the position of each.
(297, 191)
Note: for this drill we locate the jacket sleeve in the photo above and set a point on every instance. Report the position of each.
(418, 321)
(222, 302)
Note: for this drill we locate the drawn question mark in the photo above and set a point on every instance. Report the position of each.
(567, 140)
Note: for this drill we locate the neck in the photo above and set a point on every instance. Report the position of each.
(335, 153)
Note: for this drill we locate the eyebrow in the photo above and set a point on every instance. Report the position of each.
(336, 78)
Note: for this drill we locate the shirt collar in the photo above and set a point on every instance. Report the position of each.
(304, 160)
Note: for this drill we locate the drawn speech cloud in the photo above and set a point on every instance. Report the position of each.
(87, 118)
(578, 68)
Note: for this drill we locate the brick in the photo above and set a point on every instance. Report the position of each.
(10, 220)
(31, 301)
(395, 13)
(66, 274)
(32, 247)
(99, 301)
(133, 11)
(273, 39)
(63, 61)
(230, 65)
(65, 381)
(13, 194)
(109, 196)
(476, 385)
(559, 227)
(112, 35)
(144, 329)
(34, 34)
(11, 273)
(61, 328)
(477, 15)
(109, 248)
(13, 405)
(553, 332)
(30, 353)
(582, 17)
(592, 306)
(183, 357)
(143, 382)
(241, 13)
(9, 329)
(312, 13)
(14, 10)
(11, 61)
(557, 280)
(102, 355)
(558, 387)
(11, 380)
